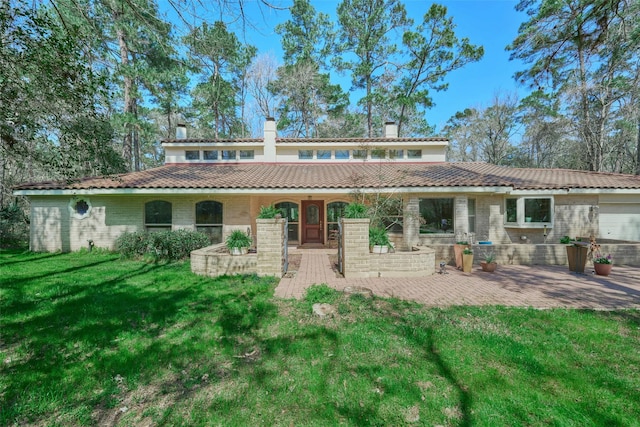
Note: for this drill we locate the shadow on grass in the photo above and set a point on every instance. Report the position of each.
(76, 346)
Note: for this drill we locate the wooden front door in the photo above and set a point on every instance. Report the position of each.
(312, 221)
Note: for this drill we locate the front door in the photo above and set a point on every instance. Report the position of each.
(312, 221)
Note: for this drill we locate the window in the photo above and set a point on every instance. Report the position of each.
(290, 211)
(342, 154)
(414, 154)
(359, 154)
(157, 215)
(80, 208)
(192, 155)
(209, 219)
(246, 154)
(396, 154)
(323, 154)
(471, 214)
(305, 154)
(529, 210)
(377, 153)
(228, 154)
(436, 215)
(335, 211)
(210, 155)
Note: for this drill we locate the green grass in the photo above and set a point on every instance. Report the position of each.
(89, 339)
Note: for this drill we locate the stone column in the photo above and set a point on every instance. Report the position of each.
(270, 246)
(355, 247)
(411, 223)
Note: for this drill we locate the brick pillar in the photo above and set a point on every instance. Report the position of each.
(355, 247)
(270, 246)
(411, 223)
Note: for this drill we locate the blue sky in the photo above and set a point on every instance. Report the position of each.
(491, 23)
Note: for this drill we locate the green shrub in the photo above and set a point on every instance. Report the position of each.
(14, 227)
(161, 245)
(378, 237)
(238, 239)
(356, 211)
(268, 212)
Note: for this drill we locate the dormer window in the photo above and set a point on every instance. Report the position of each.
(210, 154)
(359, 154)
(192, 155)
(228, 154)
(414, 154)
(323, 154)
(305, 154)
(246, 154)
(342, 154)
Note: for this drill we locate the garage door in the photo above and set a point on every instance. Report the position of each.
(620, 221)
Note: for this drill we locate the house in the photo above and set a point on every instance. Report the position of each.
(216, 186)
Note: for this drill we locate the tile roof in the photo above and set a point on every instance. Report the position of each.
(257, 176)
(380, 140)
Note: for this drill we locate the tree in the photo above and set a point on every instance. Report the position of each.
(225, 62)
(580, 50)
(364, 45)
(433, 51)
(307, 93)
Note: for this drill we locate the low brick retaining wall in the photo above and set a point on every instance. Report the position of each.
(534, 254)
(216, 261)
(416, 263)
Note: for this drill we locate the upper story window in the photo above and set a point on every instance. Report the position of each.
(377, 153)
(157, 215)
(528, 211)
(246, 154)
(192, 155)
(305, 154)
(414, 154)
(228, 154)
(210, 154)
(359, 154)
(342, 154)
(436, 215)
(323, 154)
(396, 154)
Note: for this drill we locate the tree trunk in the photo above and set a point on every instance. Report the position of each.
(128, 94)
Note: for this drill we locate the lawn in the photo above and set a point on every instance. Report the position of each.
(89, 339)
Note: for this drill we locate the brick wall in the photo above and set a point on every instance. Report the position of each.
(355, 247)
(214, 261)
(270, 247)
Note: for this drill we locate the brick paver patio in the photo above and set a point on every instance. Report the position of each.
(511, 285)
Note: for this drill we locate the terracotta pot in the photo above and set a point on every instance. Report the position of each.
(467, 263)
(602, 269)
(489, 267)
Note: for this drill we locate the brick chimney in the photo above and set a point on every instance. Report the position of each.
(270, 135)
(390, 130)
(181, 131)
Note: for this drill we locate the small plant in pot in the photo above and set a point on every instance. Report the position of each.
(489, 263)
(379, 240)
(238, 242)
(467, 260)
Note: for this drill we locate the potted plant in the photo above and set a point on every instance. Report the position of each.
(457, 251)
(601, 264)
(489, 263)
(379, 240)
(467, 260)
(576, 253)
(238, 242)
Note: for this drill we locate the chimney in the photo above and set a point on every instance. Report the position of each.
(270, 135)
(181, 131)
(390, 130)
